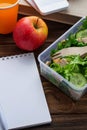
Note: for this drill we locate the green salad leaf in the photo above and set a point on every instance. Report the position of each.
(76, 67)
(84, 24)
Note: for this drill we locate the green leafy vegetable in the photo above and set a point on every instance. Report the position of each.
(84, 24)
(78, 79)
(76, 67)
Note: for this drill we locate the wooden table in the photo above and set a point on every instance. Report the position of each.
(66, 113)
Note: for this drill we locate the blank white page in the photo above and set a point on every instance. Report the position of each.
(21, 93)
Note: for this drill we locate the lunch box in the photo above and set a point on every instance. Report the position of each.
(58, 80)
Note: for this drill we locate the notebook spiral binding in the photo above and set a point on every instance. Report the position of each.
(15, 56)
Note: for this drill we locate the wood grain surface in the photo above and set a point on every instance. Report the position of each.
(66, 114)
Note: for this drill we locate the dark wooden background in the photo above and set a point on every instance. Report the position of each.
(66, 114)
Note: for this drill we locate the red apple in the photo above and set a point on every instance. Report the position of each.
(30, 33)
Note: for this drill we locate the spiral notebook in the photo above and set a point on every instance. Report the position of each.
(22, 98)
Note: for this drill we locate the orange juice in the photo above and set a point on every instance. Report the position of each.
(8, 15)
(4, 4)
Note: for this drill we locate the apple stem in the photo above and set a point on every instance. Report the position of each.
(36, 24)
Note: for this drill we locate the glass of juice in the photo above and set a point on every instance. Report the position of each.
(8, 15)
